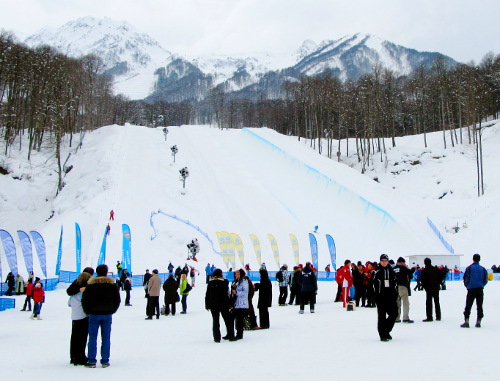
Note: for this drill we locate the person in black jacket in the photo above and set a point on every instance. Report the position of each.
(171, 296)
(145, 280)
(265, 289)
(295, 286)
(11, 282)
(308, 288)
(75, 287)
(403, 277)
(100, 301)
(384, 284)
(217, 302)
(431, 282)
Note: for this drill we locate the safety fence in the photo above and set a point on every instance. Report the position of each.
(440, 236)
(48, 285)
(7, 303)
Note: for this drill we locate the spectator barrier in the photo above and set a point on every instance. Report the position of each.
(7, 303)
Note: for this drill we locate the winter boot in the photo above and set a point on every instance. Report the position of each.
(38, 318)
(478, 323)
(32, 317)
(466, 324)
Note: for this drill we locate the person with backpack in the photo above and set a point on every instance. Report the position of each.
(283, 278)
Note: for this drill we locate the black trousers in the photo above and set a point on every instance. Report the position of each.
(239, 314)
(387, 311)
(294, 295)
(153, 307)
(360, 295)
(27, 302)
(476, 294)
(127, 297)
(264, 317)
(169, 308)
(430, 296)
(78, 341)
(228, 321)
(339, 293)
(307, 297)
(283, 295)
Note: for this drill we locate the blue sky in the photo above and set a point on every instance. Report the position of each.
(463, 29)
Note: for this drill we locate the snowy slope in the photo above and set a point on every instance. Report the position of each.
(250, 181)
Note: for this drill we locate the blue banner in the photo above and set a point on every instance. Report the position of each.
(26, 248)
(10, 251)
(127, 254)
(59, 253)
(314, 250)
(78, 248)
(40, 250)
(102, 253)
(333, 251)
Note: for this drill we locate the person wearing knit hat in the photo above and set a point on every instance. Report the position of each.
(403, 278)
(431, 282)
(384, 283)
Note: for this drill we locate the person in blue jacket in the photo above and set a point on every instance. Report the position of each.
(208, 272)
(475, 278)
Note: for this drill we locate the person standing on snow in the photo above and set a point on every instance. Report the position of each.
(283, 278)
(475, 279)
(29, 295)
(208, 273)
(38, 298)
(154, 286)
(265, 289)
(112, 215)
(344, 279)
(217, 302)
(403, 277)
(100, 300)
(308, 288)
(384, 284)
(431, 282)
(145, 281)
(240, 290)
(11, 283)
(79, 322)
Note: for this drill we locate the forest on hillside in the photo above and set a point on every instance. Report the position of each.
(47, 95)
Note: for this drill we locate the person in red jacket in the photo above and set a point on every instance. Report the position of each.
(29, 295)
(112, 215)
(38, 298)
(344, 278)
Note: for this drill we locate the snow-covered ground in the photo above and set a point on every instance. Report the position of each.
(254, 182)
(331, 343)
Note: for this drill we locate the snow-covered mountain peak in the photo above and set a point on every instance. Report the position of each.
(129, 55)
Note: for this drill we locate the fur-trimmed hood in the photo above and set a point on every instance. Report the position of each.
(101, 280)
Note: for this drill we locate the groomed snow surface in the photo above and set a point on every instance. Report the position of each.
(332, 343)
(253, 182)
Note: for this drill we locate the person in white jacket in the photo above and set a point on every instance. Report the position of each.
(79, 324)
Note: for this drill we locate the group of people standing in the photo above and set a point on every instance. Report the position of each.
(234, 301)
(391, 289)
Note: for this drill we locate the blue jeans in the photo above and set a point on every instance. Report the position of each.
(184, 303)
(96, 321)
(37, 308)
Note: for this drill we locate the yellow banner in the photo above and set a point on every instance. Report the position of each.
(230, 249)
(256, 248)
(223, 247)
(274, 247)
(238, 245)
(295, 248)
